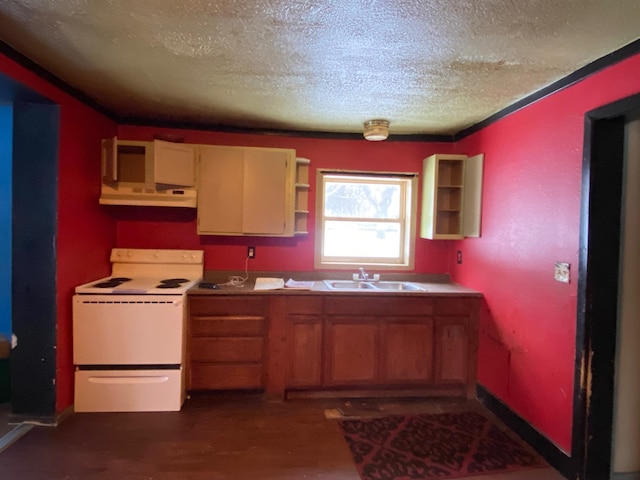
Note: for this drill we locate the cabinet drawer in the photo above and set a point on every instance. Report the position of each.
(226, 349)
(456, 306)
(227, 326)
(305, 305)
(231, 305)
(387, 305)
(224, 377)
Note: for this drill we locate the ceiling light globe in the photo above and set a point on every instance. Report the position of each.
(376, 130)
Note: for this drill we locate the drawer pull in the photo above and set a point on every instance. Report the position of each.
(128, 380)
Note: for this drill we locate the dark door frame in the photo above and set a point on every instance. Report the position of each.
(34, 193)
(598, 289)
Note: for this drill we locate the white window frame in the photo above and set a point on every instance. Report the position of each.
(408, 183)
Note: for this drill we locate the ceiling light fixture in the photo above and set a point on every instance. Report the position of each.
(376, 130)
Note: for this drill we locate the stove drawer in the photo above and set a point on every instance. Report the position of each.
(129, 390)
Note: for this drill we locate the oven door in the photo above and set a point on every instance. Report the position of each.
(128, 329)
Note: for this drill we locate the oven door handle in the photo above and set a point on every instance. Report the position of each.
(129, 380)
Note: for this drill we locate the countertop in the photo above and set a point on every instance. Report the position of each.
(433, 284)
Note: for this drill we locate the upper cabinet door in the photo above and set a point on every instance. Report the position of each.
(473, 195)
(220, 187)
(174, 164)
(267, 192)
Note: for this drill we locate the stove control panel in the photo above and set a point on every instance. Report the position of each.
(139, 255)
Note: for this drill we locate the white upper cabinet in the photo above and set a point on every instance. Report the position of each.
(451, 196)
(129, 162)
(154, 173)
(246, 191)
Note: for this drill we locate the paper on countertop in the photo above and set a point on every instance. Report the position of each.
(268, 283)
(298, 284)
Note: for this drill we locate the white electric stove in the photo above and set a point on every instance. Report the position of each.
(129, 332)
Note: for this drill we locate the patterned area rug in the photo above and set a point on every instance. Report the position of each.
(431, 446)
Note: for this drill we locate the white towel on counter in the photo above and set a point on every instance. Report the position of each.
(268, 283)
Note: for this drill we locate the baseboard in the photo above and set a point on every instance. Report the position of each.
(547, 449)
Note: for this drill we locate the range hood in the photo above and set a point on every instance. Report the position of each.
(172, 197)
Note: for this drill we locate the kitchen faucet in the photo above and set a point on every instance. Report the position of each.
(363, 275)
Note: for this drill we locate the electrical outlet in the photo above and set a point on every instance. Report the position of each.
(251, 252)
(562, 272)
(459, 257)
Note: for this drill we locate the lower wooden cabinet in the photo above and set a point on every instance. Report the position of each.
(406, 351)
(303, 354)
(372, 351)
(452, 347)
(226, 347)
(305, 351)
(378, 341)
(315, 342)
(351, 351)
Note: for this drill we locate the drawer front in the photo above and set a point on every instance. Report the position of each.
(304, 305)
(227, 326)
(456, 306)
(227, 349)
(128, 390)
(228, 305)
(225, 377)
(382, 305)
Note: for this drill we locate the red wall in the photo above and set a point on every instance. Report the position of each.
(157, 228)
(85, 233)
(530, 220)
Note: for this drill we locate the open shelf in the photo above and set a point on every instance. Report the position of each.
(301, 207)
(443, 197)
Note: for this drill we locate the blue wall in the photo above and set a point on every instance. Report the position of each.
(6, 135)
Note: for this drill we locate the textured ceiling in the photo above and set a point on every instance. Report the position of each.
(428, 66)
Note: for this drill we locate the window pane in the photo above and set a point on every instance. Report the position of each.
(360, 200)
(361, 239)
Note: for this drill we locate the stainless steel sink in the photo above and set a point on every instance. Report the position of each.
(366, 286)
(347, 285)
(401, 286)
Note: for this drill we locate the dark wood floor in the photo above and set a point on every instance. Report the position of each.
(213, 437)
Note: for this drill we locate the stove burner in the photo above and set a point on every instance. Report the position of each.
(107, 284)
(175, 280)
(168, 285)
(111, 282)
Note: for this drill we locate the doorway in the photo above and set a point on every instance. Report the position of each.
(29, 181)
(599, 286)
(626, 426)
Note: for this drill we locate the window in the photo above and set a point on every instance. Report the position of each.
(366, 219)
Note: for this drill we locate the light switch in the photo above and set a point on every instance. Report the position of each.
(562, 272)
